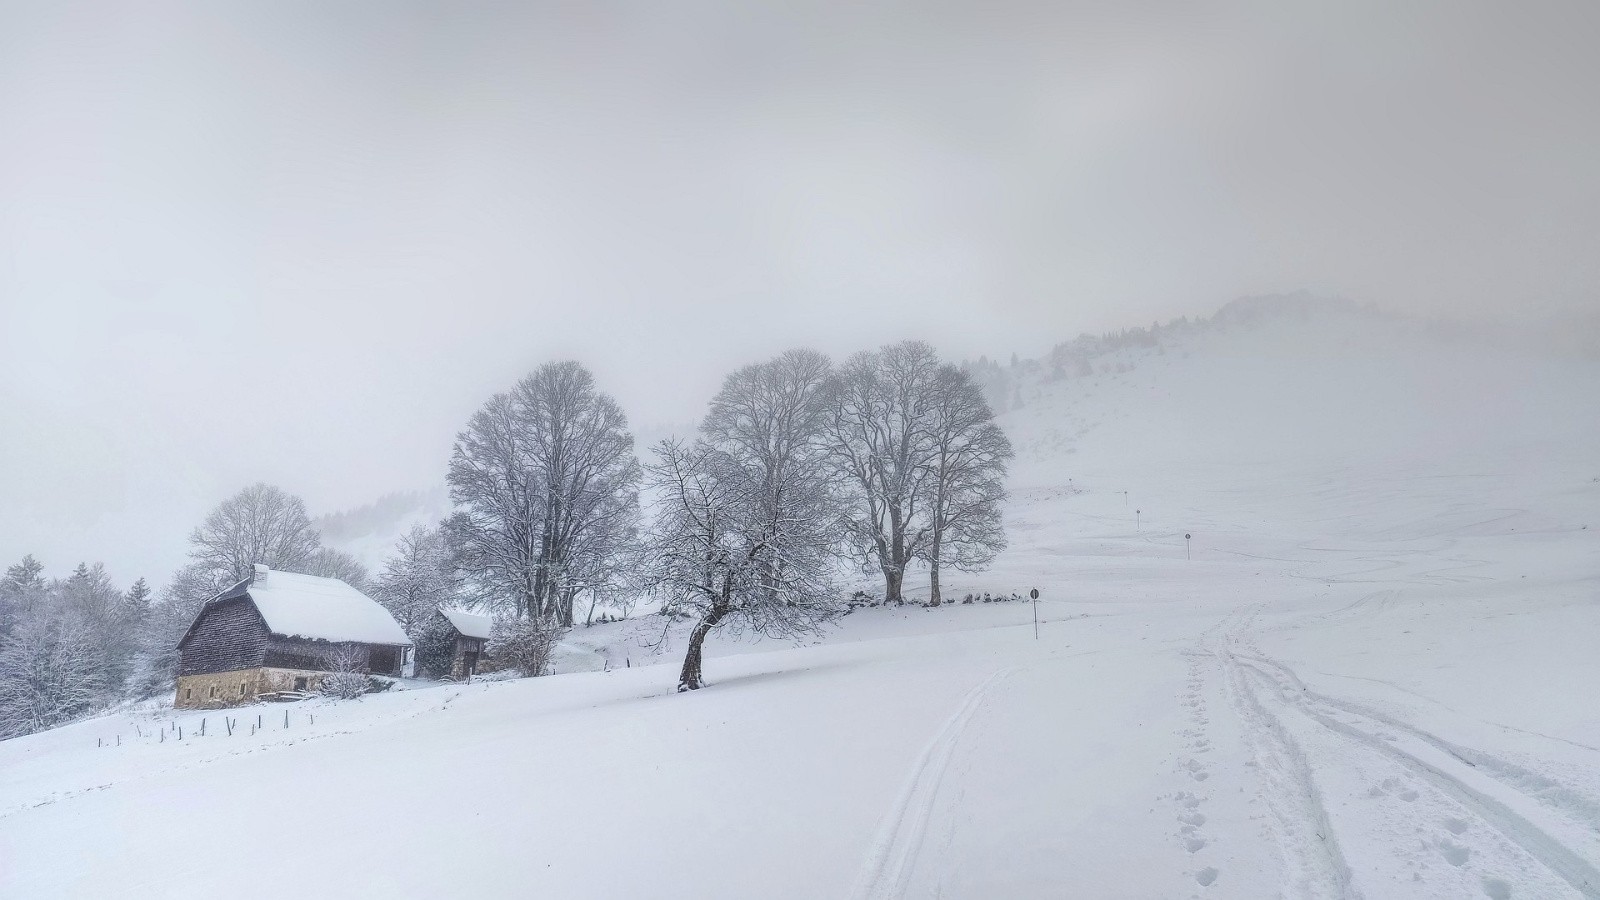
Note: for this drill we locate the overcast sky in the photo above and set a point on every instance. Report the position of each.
(301, 242)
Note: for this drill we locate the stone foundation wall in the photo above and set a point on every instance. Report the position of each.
(218, 689)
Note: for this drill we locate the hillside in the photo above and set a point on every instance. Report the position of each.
(1364, 674)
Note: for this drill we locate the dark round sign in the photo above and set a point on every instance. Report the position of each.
(1034, 593)
(1186, 537)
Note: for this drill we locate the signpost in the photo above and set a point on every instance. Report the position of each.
(1034, 595)
(1136, 513)
(1186, 546)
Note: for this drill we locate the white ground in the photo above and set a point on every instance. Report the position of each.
(1378, 676)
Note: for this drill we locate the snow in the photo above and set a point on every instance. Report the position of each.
(1374, 678)
(472, 625)
(325, 609)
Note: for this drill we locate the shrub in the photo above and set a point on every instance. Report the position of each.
(346, 678)
(523, 644)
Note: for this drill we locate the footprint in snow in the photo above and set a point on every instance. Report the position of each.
(1206, 876)
(1393, 786)
(1194, 843)
(1455, 826)
(1497, 888)
(1454, 853)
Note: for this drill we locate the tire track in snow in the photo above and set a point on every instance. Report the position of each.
(1499, 803)
(1315, 867)
(900, 835)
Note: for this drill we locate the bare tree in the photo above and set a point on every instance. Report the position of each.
(968, 460)
(881, 432)
(260, 524)
(546, 488)
(746, 522)
(417, 579)
(330, 563)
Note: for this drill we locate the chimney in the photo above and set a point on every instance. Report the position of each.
(261, 574)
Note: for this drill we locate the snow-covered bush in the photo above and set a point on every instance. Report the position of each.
(523, 644)
(860, 599)
(346, 679)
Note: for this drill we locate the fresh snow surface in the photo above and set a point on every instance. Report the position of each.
(326, 609)
(1371, 673)
(472, 625)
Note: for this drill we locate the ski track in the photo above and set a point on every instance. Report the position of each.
(1554, 824)
(894, 850)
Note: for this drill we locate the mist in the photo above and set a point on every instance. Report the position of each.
(301, 244)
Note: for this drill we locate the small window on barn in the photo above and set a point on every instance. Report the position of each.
(241, 688)
(213, 690)
(188, 693)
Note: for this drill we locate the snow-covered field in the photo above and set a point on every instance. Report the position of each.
(1375, 672)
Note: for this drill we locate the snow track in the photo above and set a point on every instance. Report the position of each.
(900, 835)
(1509, 826)
(1519, 818)
(1314, 864)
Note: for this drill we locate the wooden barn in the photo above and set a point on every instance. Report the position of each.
(467, 634)
(282, 631)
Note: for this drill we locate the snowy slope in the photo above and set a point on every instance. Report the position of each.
(1374, 678)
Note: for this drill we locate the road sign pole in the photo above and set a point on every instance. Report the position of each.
(1034, 596)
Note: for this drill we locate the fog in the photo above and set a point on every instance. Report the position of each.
(301, 242)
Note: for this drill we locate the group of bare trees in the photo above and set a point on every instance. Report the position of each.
(890, 459)
(916, 443)
(799, 468)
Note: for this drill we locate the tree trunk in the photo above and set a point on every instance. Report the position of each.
(892, 579)
(689, 679)
(933, 576)
(541, 580)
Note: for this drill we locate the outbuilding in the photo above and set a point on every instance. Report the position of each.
(467, 634)
(278, 632)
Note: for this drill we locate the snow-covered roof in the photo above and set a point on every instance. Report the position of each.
(472, 625)
(326, 609)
